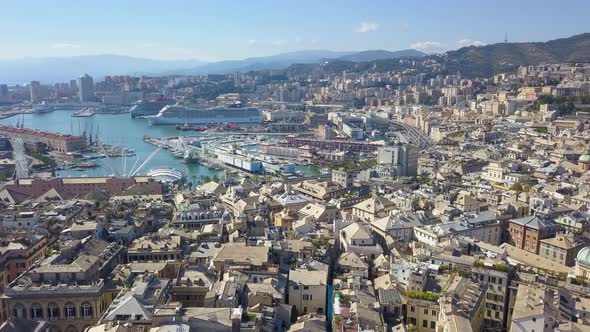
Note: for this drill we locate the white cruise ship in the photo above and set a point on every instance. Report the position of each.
(235, 114)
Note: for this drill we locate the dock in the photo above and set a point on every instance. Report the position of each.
(85, 113)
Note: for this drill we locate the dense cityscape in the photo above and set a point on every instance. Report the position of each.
(373, 191)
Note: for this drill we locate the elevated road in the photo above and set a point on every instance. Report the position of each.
(20, 156)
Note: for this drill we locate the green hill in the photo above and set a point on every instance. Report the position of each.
(485, 61)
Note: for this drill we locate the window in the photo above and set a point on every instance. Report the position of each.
(36, 311)
(433, 312)
(52, 311)
(433, 325)
(425, 323)
(426, 311)
(18, 311)
(86, 310)
(70, 311)
(412, 309)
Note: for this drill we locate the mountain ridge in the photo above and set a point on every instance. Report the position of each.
(63, 69)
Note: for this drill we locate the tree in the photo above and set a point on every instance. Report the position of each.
(517, 187)
(216, 178)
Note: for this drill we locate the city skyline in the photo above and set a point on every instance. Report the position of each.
(225, 30)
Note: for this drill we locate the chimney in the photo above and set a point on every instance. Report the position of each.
(236, 319)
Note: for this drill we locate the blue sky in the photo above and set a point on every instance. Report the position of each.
(223, 30)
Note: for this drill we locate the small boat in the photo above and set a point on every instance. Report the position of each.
(87, 165)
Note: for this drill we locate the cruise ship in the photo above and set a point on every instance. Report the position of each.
(176, 114)
(149, 107)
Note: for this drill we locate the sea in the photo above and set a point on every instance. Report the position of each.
(115, 129)
(123, 131)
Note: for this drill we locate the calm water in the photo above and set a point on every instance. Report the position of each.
(120, 130)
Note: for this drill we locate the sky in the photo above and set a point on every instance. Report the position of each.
(225, 30)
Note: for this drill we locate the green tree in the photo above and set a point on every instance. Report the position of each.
(517, 187)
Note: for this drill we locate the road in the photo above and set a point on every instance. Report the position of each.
(416, 135)
(22, 162)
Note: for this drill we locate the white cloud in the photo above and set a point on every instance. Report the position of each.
(469, 42)
(64, 46)
(431, 46)
(279, 43)
(367, 27)
(252, 42)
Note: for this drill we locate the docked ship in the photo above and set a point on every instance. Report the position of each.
(42, 108)
(177, 114)
(149, 107)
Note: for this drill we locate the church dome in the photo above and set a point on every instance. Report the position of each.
(585, 158)
(583, 256)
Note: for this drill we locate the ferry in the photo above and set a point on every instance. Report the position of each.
(149, 107)
(234, 114)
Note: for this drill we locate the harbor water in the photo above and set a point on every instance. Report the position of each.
(114, 129)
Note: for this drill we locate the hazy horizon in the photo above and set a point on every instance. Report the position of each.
(223, 30)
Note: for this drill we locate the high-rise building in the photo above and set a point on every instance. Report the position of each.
(403, 157)
(85, 88)
(35, 87)
(3, 90)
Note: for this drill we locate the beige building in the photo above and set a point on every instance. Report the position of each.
(242, 256)
(70, 296)
(155, 249)
(422, 313)
(373, 208)
(322, 190)
(307, 291)
(191, 287)
(462, 308)
(561, 249)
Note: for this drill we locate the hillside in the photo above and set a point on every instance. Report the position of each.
(373, 55)
(284, 60)
(484, 61)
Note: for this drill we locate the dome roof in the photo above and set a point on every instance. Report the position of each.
(583, 256)
(585, 158)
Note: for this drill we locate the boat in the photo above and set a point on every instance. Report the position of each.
(187, 127)
(190, 156)
(42, 108)
(86, 112)
(93, 156)
(149, 107)
(174, 114)
(87, 165)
